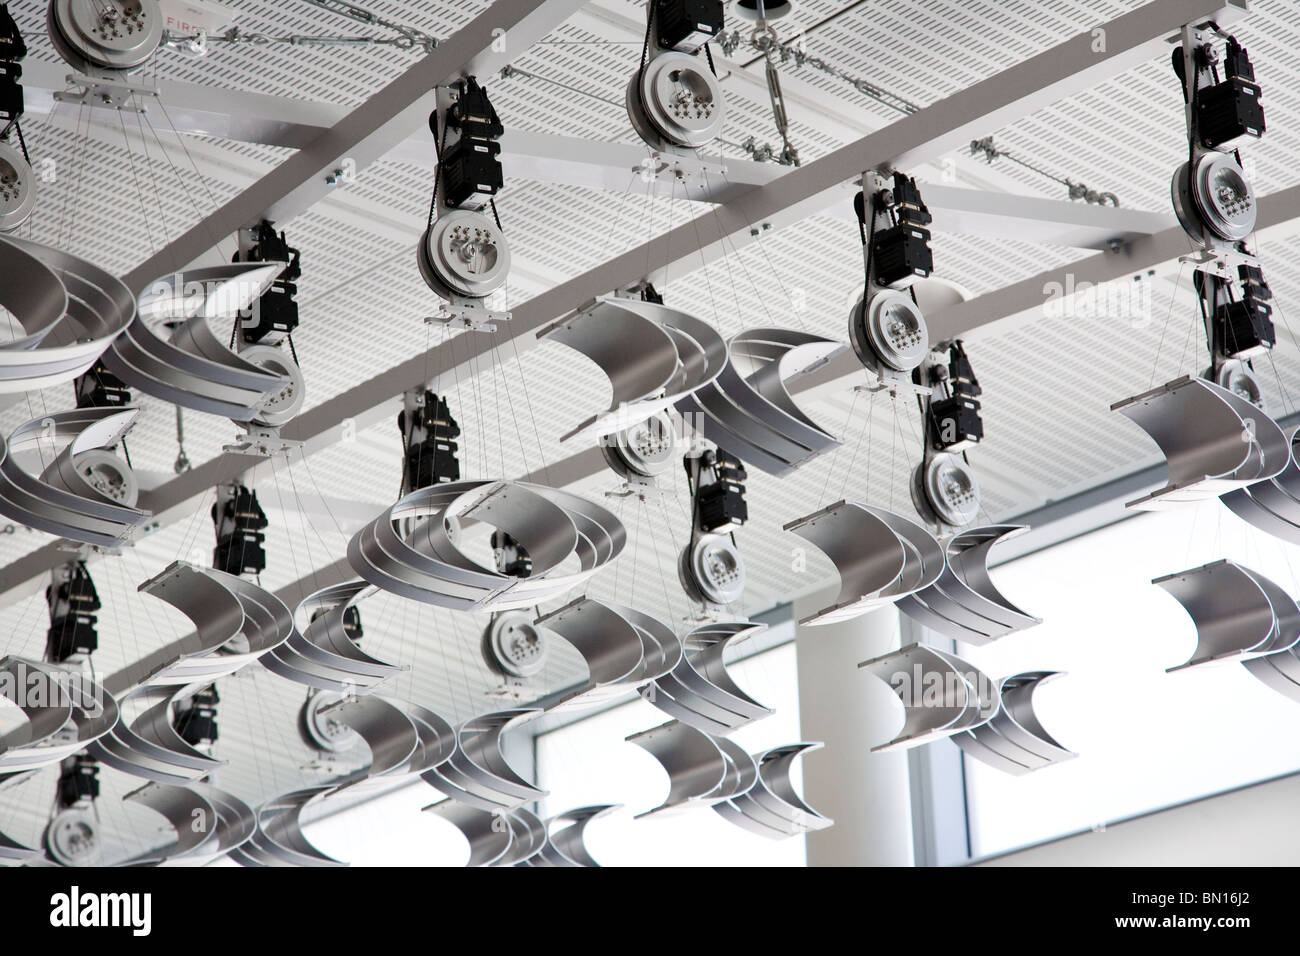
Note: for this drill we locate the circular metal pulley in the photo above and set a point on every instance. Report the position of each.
(72, 838)
(1238, 377)
(464, 253)
(285, 403)
(645, 450)
(1214, 195)
(513, 645)
(107, 34)
(675, 100)
(324, 730)
(945, 490)
(890, 329)
(712, 570)
(109, 475)
(17, 188)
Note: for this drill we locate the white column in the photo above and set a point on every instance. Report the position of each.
(867, 795)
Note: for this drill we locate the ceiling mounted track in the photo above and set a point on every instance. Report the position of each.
(426, 565)
(654, 357)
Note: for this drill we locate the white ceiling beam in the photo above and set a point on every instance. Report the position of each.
(481, 47)
(1070, 67)
(279, 121)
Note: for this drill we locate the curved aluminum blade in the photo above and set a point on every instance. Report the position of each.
(772, 808)
(751, 413)
(152, 748)
(941, 693)
(477, 772)
(622, 648)
(45, 713)
(1272, 505)
(880, 556)
(69, 310)
(319, 652)
(425, 564)
(92, 712)
(565, 837)
(278, 839)
(702, 770)
(652, 355)
(73, 496)
(389, 734)
(236, 622)
(1238, 613)
(1214, 440)
(194, 369)
(963, 602)
(699, 691)
(188, 812)
(496, 838)
(1014, 741)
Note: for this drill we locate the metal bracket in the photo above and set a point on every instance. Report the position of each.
(107, 89)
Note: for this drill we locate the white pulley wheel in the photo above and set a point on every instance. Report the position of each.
(17, 188)
(771, 9)
(325, 730)
(285, 403)
(72, 838)
(1238, 377)
(895, 330)
(514, 645)
(464, 253)
(679, 98)
(712, 570)
(109, 34)
(109, 475)
(647, 449)
(950, 490)
(1216, 196)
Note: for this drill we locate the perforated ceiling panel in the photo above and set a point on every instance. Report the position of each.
(119, 187)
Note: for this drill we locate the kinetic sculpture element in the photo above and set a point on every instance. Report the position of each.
(495, 838)
(748, 409)
(69, 310)
(565, 835)
(1273, 505)
(699, 691)
(1215, 440)
(1239, 614)
(963, 603)
(193, 368)
(702, 770)
(771, 808)
(477, 773)
(943, 696)
(320, 653)
(880, 556)
(86, 493)
(653, 355)
(623, 649)
(425, 564)
(278, 839)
